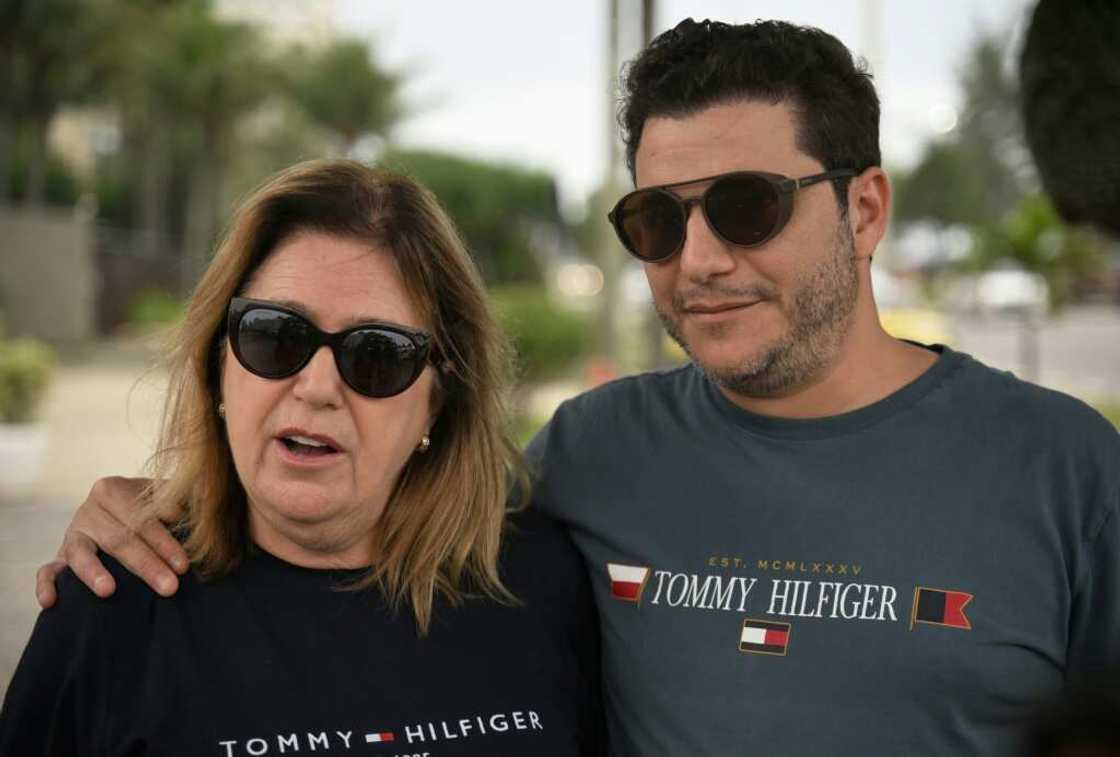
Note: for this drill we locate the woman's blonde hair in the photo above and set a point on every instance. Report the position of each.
(441, 528)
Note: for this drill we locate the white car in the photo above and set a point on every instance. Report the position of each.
(1011, 289)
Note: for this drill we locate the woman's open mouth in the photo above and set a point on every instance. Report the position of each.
(303, 445)
(304, 450)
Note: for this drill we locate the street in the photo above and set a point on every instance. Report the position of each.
(102, 417)
(1079, 350)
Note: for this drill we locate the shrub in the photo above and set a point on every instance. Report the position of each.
(25, 370)
(548, 338)
(154, 307)
(1110, 410)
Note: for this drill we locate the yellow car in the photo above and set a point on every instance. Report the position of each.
(917, 324)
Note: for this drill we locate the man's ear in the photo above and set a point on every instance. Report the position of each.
(869, 210)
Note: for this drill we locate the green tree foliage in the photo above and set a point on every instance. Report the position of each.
(59, 187)
(207, 106)
(548, 339)
(196, 97)
(344, 90)
(209, 74)
(182, 86)
(51, 54)
(943, 188)
(981, 170)
(25, 371)
(1110, 410)
(991, 129)
(981, 174)
(1035, 239)
(499, 209)
(1070, 69)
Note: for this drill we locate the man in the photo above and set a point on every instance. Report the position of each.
(814, 539)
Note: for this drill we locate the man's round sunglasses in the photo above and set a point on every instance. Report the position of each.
(374, 359)
(744, 208)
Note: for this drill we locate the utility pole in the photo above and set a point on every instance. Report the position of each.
(651, 327)
(609, 259)
(871, 44)
(629, 25)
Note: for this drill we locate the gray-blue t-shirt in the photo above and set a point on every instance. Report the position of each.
(915, 577)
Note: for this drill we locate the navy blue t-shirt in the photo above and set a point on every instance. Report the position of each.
(275, 659)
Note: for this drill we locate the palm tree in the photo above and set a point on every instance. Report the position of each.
(185, 84)
(346, 92)
(51, 54)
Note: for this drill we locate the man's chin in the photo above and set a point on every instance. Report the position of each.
(732, 365)
(722, 349)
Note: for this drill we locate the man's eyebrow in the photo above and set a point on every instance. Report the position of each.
(359, 320)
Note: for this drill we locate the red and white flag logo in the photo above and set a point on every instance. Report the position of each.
(764, 637)
(627, 581)
(374, 738)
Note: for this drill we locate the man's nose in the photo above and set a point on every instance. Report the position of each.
(703, 254)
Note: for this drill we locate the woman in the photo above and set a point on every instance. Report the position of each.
(335, 425)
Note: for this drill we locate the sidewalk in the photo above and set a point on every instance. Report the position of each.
(102, 418)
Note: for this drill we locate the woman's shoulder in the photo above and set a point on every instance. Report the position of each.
(118, 618)
(533, 537)
(82, 643)
(75, 599)
(539, 560)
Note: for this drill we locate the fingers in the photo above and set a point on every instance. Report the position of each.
(142, 561)
(165, 545)
(121, 498)
(99, 527)
(44, 583)
(104, 520)
(80, 553)
(118, 496)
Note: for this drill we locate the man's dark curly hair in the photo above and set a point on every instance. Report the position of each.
(698, 65)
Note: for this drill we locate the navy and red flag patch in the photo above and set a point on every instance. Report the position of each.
(764, 637)
(939, 607)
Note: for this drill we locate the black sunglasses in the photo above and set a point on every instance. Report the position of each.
(744, 208)
(374, 359)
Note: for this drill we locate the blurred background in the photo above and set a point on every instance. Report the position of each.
(130, 128)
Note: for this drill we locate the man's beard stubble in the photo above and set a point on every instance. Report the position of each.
(818, 311)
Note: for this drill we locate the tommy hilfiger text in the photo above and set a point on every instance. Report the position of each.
(426, 732)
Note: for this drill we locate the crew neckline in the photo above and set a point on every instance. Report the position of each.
(257, 552)
(948, 360)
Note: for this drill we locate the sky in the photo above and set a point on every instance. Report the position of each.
(527, 81)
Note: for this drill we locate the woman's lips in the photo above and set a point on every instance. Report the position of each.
(295, 432)
(309, 460)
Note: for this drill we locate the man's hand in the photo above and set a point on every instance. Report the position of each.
(151, 552)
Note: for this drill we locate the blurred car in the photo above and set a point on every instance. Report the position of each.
(1011, 290)
(917, 324)
(901, 310)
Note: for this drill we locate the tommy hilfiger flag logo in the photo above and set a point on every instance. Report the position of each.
(764, 637)
(627, 581)
(939, 607)
(376, 738)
